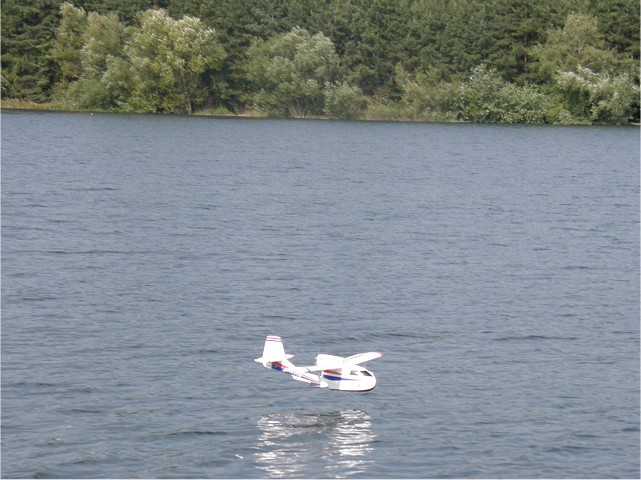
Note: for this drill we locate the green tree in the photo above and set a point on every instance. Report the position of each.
(599, 97)
(343, 100)
(427, 97)
(583, 54)
(69, 42)
(619, 23)
(103, 43)
(103, 37)
(379, 39)
(452, 36)
(514, 27)
(168, 60)
(290, 71)
(488, 98)
(578, 44)
(238, 24)
(590, 83)
(28, 30)
(126, 10)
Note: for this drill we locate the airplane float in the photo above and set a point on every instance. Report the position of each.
(336, 373)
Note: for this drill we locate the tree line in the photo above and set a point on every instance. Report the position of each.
(509, 61)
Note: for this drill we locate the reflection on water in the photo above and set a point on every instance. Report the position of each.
(336, 444)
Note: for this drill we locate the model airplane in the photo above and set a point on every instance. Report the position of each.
(336, 373)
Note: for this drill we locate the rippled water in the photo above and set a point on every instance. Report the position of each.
(144, 259)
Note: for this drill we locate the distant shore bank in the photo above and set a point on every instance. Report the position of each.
(19, 104)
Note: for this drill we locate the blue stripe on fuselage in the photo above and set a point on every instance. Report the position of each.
(282, 368)
(337, 379)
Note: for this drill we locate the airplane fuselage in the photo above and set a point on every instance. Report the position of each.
(356, 379)
(335, 373)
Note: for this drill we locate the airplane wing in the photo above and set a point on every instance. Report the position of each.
(325, 366)
(331, 362)
(363, 357)
(299, 373)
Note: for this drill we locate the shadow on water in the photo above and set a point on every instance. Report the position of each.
(336, 444)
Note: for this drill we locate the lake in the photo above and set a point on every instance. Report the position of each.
(145, 259)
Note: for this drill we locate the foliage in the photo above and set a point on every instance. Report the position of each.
(157, 67)
(103, 37)
(69, 41)
(589, 81)
(427, 97)
(452, 35)
(619, 24)
(102, 43)
(291, 71)
(578, 44)
(214, 112)
(28, 29)
(409, 58)
(379, 41)
(168, 59)
(598, 97)
(15, 104)
(343, 100)
(488, 98)
(382, 108)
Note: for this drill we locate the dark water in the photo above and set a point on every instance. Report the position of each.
(145, 258)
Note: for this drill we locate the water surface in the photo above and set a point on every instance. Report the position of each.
(144, 259)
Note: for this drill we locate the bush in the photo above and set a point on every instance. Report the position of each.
(488, 98)
(428, 99)
(598, 97)
(290, 72)
(343, 100)
(383, 109)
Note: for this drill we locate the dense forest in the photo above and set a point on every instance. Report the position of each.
(509, 61)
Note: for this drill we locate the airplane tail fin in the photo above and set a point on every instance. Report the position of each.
(273, 351)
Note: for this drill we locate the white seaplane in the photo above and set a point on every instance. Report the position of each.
(336, 373)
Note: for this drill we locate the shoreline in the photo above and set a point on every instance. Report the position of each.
(17, 104)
